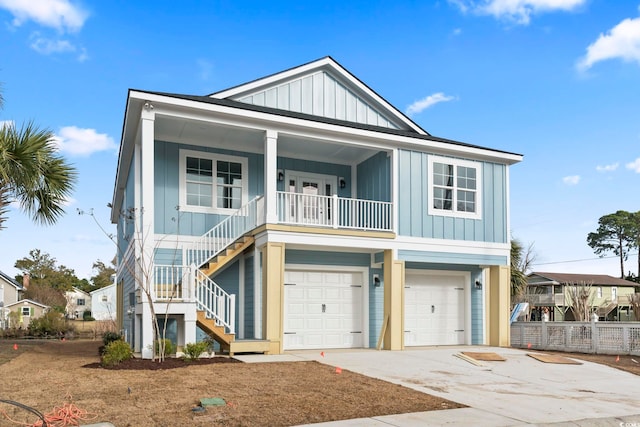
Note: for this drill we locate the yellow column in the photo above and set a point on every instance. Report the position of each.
(393, 302)
(498, 303)
(273, 295)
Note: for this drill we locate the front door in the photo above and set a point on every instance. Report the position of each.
(309, 199)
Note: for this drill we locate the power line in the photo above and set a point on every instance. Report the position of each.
(580, 260)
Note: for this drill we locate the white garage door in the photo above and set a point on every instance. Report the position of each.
(323, 310)
(434, 309)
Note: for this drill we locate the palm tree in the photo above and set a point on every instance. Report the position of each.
(33, 173)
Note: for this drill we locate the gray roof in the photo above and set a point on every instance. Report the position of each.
(571, 278)
(286, 113)
(11, 280)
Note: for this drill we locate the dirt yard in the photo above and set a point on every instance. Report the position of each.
(623, 362)
(50, 374)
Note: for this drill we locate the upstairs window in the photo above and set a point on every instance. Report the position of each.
(454, 188)
(212, 183)
(81, 301)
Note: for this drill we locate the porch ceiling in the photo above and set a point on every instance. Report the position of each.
(252, 140)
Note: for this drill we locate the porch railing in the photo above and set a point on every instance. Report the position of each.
(172, 282)
(215, 302)
(334, 212)
(226, 232)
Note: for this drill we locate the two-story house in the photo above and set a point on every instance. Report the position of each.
(10, 293)
(609, 296)
(78, 302)
(301, 211)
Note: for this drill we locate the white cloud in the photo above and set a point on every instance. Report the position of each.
(47, 46)
(622, 41)
(457, 31)
(429, 101)
(204, 69)
(634, 166)
(59, 14)
(83, 142)
(4, 123)
(571, 180)
(519, 11)
(607, 168)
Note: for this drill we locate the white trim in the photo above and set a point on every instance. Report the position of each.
(214, 157)
(431, 210)
(466, 275)
(340, 268)
(240, 326)
(259, 120)
(395, 188)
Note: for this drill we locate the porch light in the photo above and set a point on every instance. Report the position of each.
(280, 175)
(341, 182)
(376, 281)
(478, 284)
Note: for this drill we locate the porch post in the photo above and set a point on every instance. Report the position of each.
(273, 295)
(497, 308)
(270, 176)
(145, 270)
(393, 302)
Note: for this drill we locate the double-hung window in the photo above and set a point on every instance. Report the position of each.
(454, 188)
(212, 183)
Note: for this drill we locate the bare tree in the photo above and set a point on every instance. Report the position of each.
(140, 265)
(581, 300)
(634, 301)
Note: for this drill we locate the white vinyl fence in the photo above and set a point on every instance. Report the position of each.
(580, 337)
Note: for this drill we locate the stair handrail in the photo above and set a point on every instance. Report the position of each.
(217, 304)
(224, 233)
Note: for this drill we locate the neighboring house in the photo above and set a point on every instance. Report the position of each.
(609, 295)
(78, 301)
(10, 292)
(26, 310)
(103, 303)
(303, 211)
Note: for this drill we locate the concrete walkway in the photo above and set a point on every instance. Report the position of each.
(519, 391)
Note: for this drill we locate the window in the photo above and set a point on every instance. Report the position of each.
(454, 187)
(212, 182)
(80, 301)
(614, 293)
(104, 298)
(599, 292)
(26, 311)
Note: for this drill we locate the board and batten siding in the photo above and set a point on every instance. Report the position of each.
(168, 220)
(414, 219)
(374, 178)
(320, 94)
(321, 168)
(249, 306)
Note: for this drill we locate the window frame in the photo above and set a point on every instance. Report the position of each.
(81, 302)
(432, 210)
(214, 157)
(28, 314)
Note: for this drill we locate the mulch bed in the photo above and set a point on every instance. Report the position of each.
(168, 363)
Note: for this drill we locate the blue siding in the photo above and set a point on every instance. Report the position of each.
(415, 221)
(327, 258)
(229, 280)
(249, 331)
(168, 256)
(167, 169)
(374, 178)
(376, 307)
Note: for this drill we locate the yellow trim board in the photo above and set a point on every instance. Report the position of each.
(323, 230)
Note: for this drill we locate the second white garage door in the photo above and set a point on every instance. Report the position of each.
(323, 310)
(434, 309)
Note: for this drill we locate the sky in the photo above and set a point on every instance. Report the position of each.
(555, 80)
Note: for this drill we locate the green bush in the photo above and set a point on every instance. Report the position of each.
(116, 352)
(169, 347)
(86, 315)
(109, 337)
(193, 350)
(51, 323)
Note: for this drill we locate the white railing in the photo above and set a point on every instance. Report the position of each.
(582, 337)
(226, 232)
(215, 302)
(172, 282)
(334, 212)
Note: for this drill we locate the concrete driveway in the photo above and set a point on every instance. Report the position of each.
(518, 391)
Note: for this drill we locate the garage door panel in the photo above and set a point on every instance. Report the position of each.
(434, 309)
(331, 310)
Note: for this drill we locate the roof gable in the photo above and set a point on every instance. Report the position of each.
(10, 281)
(321, 88)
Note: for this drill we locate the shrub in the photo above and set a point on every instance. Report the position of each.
(86, 315)
(116, 352)
(193, 350)
(50, 324)
(169, 347)
(109, 337)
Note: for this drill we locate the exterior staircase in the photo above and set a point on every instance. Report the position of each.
(215, 249)
(606, 307)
